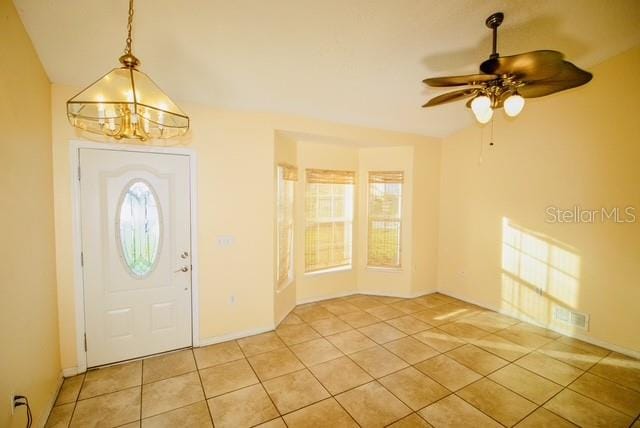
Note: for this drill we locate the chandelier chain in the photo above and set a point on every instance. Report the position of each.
(127, 49)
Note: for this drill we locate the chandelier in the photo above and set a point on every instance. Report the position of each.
(126, 103)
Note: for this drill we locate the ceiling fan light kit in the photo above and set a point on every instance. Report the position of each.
(505, 81)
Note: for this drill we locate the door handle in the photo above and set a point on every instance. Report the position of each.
(182, 269)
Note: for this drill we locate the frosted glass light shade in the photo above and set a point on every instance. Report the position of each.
(126, 103)
(513, 105)
(480, 104)
(484, 116)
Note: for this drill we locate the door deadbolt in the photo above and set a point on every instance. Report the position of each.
(184, 255)
(183, 269)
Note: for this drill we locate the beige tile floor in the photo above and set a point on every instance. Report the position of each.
(372, 362)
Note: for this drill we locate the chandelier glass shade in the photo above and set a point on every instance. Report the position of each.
(126, 103)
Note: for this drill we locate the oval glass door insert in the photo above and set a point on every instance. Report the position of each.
(139, 230)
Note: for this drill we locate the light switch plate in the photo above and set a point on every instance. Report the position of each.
(225, 240)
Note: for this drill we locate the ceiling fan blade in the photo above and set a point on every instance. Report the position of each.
(536, 65)
(451, 96)
(569, 77)
(471, 79)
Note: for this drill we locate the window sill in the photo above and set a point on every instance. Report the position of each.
(330, 270)
(385, 269)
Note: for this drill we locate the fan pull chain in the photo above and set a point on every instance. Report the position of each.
(491, 138)
(480, 158)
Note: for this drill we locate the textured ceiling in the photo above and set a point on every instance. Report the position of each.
(349, 61)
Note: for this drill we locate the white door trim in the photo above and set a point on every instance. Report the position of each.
(74, 152)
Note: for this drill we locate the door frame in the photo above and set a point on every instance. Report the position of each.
(78, 282)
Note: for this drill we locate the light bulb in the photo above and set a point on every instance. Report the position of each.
(513, 105)
(480, 104)
(484, 116)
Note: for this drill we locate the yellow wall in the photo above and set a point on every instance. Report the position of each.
(30, 363)
(426, 206)
(236, 155)
(578, 148)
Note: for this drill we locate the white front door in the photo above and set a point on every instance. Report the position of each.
(136, 251)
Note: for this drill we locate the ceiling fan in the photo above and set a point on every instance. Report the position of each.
(505, 81)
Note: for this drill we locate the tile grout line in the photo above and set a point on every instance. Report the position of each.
(376, 380)
(75, 403)
(141, 387)
(593, 399)
(483, 376)
(260, 381)
(204, 394)
(373, 379)
(530, 350)
(331, 396)
(382, 346)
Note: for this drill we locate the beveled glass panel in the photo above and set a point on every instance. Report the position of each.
(139, 228)
(110, 103)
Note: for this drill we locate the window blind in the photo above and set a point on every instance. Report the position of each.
(289, 172)
(384, 218)
(329, 219)
(326, 176)
(287, 175)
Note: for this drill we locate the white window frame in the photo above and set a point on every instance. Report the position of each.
(400, 223)
(347, 219)
(282, 283)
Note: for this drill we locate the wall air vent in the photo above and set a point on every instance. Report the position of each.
(571, 318)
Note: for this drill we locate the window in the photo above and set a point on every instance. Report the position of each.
(385, 214)
(287, 175)
(329, 219)
(139, 228)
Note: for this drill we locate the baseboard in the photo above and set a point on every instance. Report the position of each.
(277, 322)
(52, 401)
(576, 335)
(235, 335)
(400, 295)
(326, 297)
(369, 292)
(72, 371)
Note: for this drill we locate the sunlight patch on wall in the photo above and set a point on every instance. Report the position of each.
(539, 273)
